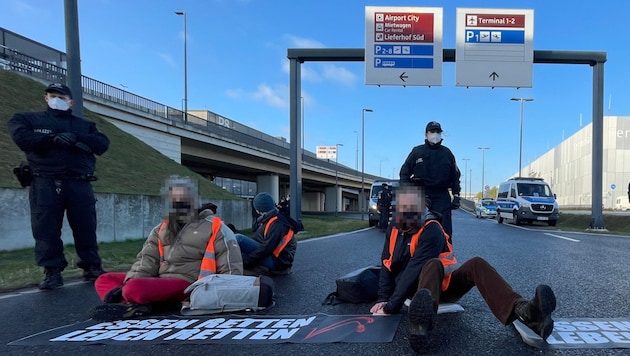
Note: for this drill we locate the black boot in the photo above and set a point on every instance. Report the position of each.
(52, 280)
(91, 273)
(536, 313)
(421, 320)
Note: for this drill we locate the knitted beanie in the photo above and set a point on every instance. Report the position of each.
(264, 202)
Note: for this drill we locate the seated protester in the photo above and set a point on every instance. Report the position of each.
(272, 249)
(185, 247)
(418, 261)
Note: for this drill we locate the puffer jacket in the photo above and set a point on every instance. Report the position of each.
(182, 258)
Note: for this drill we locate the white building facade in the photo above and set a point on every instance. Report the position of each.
(568, 167)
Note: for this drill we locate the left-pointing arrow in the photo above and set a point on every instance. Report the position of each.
(403, 76)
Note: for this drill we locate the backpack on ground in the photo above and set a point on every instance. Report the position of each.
(220, 293)
(360, 286)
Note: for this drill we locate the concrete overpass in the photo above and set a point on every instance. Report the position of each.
(214, 146)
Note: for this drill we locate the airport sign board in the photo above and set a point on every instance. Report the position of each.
(326, 152)
(495, 48)
(403, 46)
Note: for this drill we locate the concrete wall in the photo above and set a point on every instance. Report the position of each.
(120, 217)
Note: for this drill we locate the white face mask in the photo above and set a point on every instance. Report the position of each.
(434, 137)
(58, 104)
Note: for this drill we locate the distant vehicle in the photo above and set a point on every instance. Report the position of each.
(621, 203)
(486, 208)
(526, 200)
(373, 213)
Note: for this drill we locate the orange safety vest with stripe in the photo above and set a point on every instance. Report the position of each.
(447, 258)
(285, 239)
(208, 262)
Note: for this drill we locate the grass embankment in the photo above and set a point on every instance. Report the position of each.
(129, 166)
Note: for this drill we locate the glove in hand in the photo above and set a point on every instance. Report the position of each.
(455, 203)
(65, 139)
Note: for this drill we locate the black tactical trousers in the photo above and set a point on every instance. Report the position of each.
(50, 198)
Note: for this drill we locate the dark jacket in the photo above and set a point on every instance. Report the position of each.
(33, 132)
(431, 166)
(274, 235)
(402, 281)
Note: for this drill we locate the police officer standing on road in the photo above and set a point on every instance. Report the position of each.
(60, 149)
(433, 166)
(384, 204)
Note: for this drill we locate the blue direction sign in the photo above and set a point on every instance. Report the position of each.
(495, 48)
(403, 46)
(494, 36)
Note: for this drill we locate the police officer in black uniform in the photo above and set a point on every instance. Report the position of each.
(60, 149)
(384, 204)
(433, 166)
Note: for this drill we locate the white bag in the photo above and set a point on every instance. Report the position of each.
(219, 293)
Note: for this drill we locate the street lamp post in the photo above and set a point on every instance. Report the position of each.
(337, 178)
(465, 174)
(361, 196)
(520, 146)
(356, 155)
(183, 13)
(482, 169)
(302, 99)
(470, 181)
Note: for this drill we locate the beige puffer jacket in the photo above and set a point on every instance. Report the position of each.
(183, 257)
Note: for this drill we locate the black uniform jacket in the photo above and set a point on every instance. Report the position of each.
(33, 132)
(432, 166)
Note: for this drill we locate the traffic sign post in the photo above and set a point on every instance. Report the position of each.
(403, 46)
(495, 48)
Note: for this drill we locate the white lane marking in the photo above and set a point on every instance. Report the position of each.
(562, 237)
(36, 290)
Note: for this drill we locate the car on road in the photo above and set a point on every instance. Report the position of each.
(486, 208)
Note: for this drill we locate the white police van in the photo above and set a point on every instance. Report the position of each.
(373, 213)
(526, 200)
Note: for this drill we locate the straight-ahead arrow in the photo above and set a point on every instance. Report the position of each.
(494, 76)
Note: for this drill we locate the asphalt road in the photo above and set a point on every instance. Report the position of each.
(588, 272)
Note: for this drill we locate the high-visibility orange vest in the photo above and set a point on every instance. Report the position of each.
(285, 239)
(447, 258)
(208, 262)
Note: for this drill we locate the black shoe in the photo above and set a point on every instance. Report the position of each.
(114, 312)
(91, 273)
(421, 320)
(114, 296)
(536, 313)
(52, 280)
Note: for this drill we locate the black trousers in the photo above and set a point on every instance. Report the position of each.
(383, 219)
(441, 203)
(50, 199)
